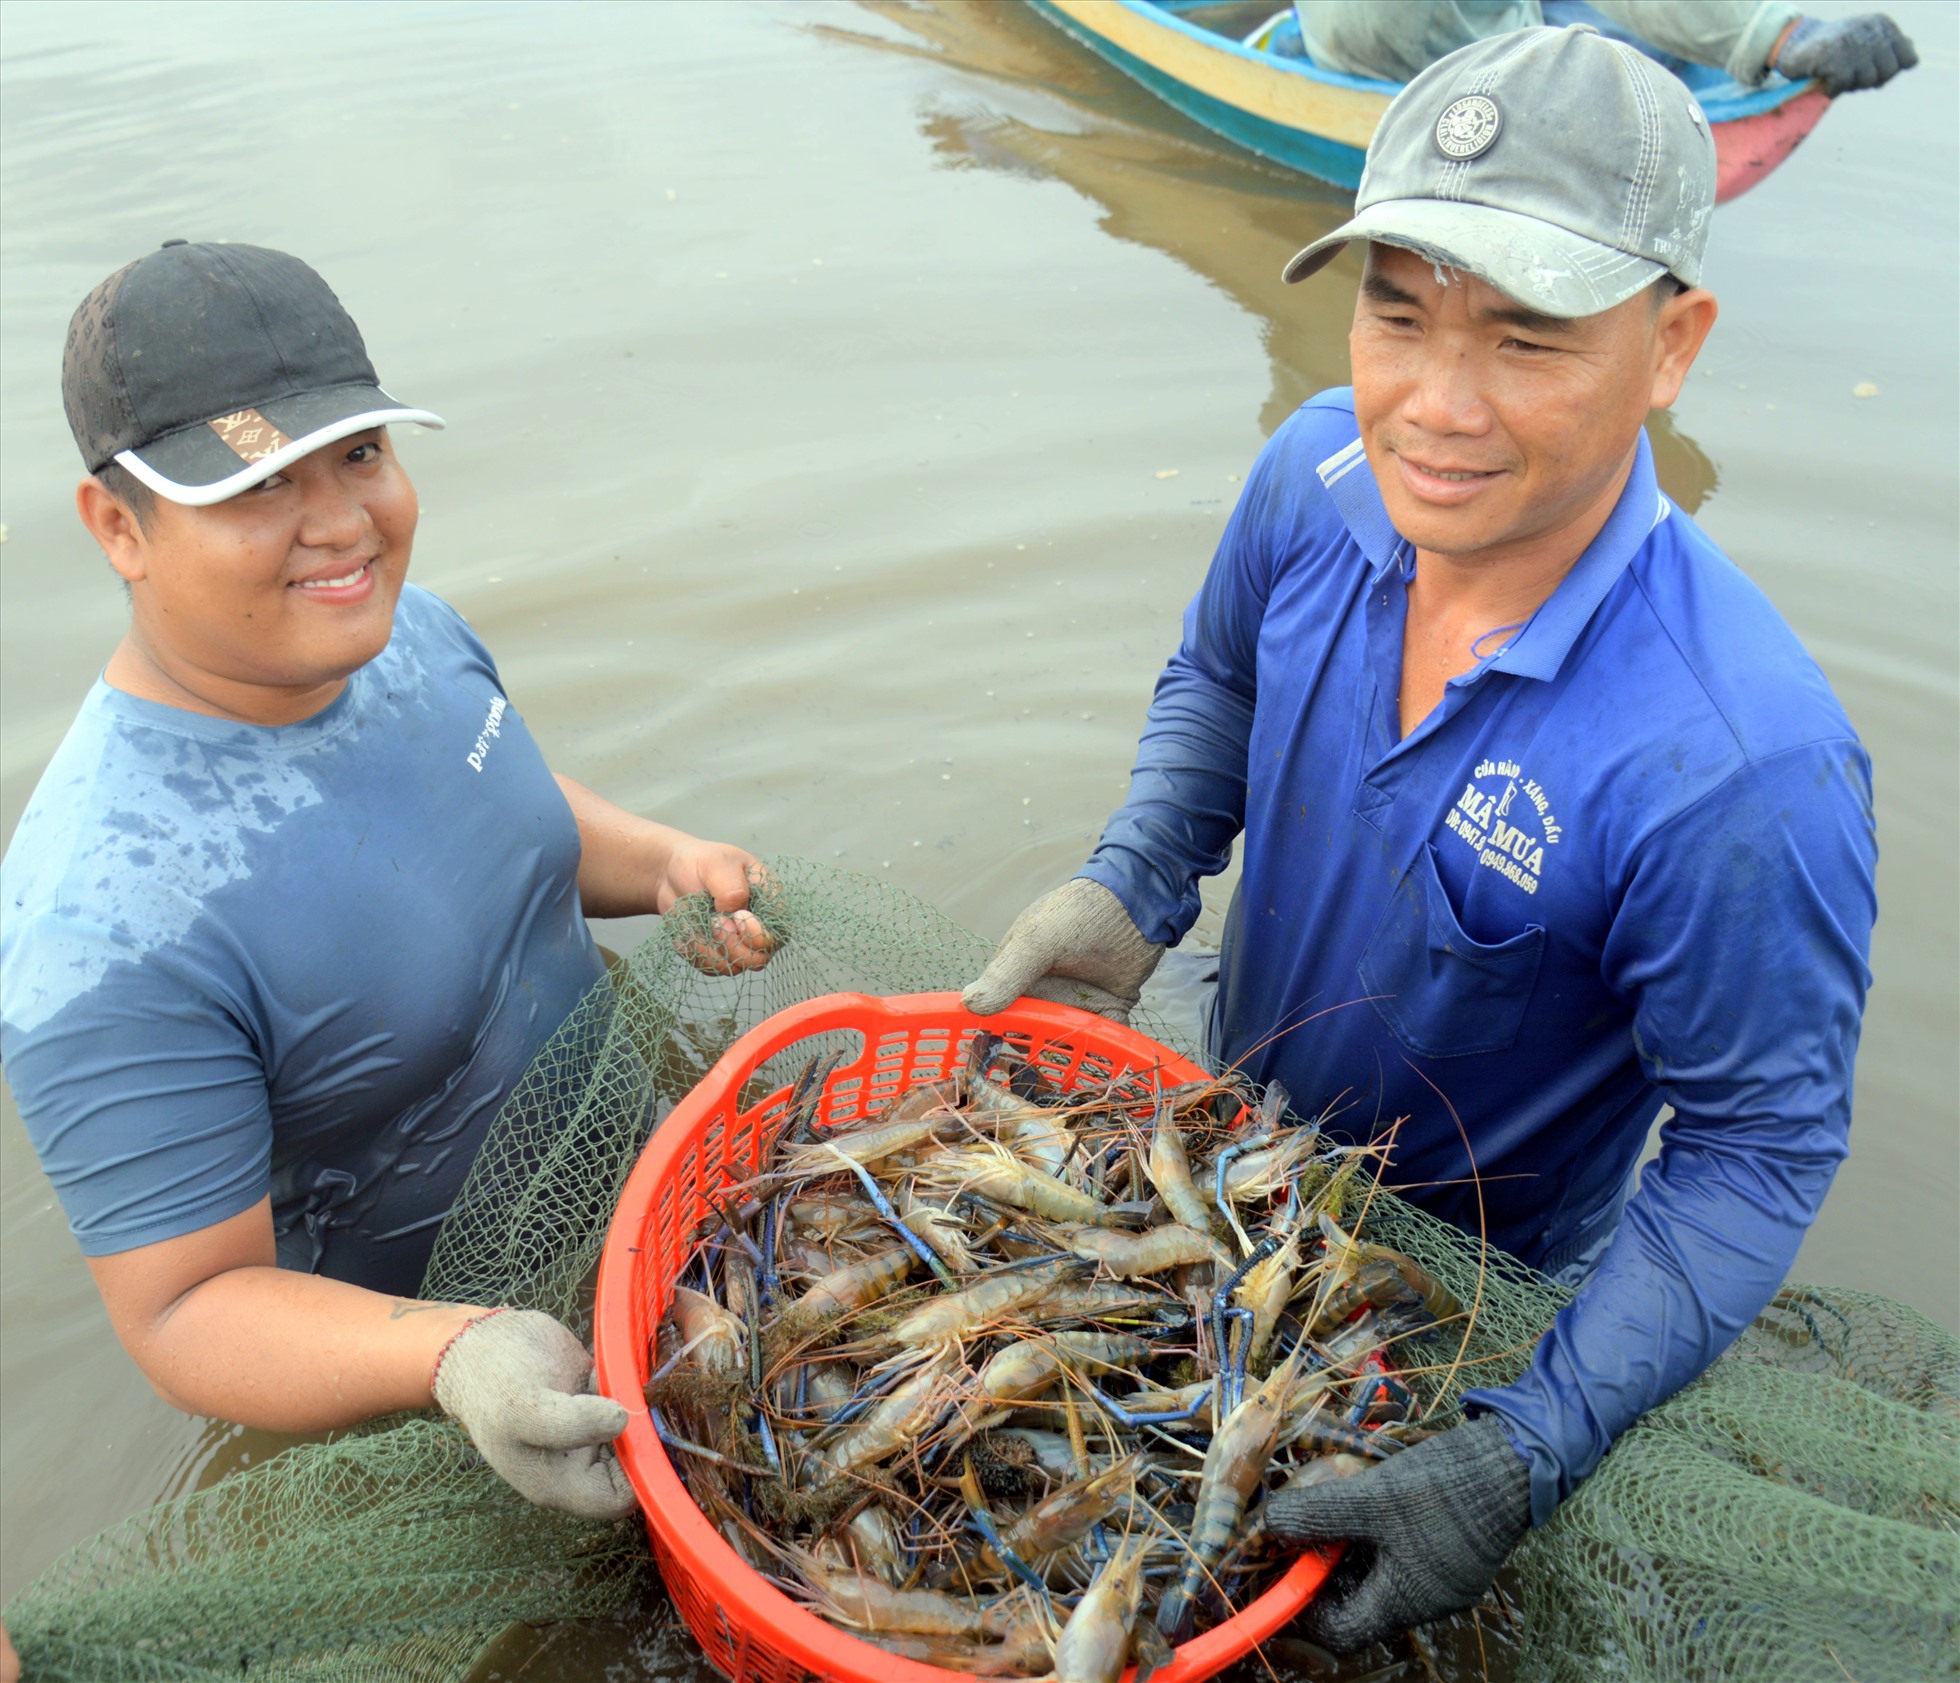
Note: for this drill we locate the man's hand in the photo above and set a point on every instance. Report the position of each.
(1845, 54)
(630, 865)
(726, 874)
(520, 1384)
(1076, 946)
(1426, 1532)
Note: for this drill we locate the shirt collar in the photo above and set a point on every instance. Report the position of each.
(1351, 483)
(1540, 648)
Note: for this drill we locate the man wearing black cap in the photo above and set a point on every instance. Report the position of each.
(1547, 818)
(297, 899)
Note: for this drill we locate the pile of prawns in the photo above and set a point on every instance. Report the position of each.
(998, 1377)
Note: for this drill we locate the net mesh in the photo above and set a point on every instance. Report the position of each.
(1793, 1514)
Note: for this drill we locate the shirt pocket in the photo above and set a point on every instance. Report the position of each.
(1442, 993)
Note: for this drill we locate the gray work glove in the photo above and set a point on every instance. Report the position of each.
(1426, 1531)
(521, 1386)
(1843, 55)
(1076, 946)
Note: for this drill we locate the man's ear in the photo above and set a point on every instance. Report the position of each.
(1680, 329)
(112, 524)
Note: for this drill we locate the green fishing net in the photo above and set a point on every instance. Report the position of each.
(1795, 1514)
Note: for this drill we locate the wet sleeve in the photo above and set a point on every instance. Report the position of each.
(1187, 788)
(1742, 939)
(1733, 35)
(144, 1096)
(1399, 41)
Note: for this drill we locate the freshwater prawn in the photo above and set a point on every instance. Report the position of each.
(1235, 1466)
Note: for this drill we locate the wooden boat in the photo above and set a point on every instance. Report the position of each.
(1290, 111)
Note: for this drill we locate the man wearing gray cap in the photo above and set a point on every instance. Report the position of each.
(1547, 818)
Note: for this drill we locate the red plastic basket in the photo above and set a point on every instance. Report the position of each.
(747, 1627)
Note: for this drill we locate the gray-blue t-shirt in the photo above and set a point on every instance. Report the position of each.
(308, 960)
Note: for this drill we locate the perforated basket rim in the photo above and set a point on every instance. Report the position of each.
(685, 1543)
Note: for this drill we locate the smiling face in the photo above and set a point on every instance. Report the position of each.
(1495, 433)
(260, 607)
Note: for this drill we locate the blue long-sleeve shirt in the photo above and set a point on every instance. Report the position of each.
(1627, 860)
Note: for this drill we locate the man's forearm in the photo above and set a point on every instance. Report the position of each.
(1703, 1247)
(1186, 804)
(289, 1352)
(622, 857)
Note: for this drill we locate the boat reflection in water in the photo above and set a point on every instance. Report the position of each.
(1055, 112)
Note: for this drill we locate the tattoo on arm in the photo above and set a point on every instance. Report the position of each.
(409, 1306)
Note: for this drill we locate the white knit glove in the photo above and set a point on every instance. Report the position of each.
(1076, 946)
(521, 1385)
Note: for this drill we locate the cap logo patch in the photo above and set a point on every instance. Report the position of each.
(1467, 127)
(249, 435)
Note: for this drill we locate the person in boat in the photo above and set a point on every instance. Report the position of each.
(1548, 820)
(1749, 39)
(297, 898)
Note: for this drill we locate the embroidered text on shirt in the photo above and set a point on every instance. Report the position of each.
(493, 727)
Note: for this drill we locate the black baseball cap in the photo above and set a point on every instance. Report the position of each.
(203, 368)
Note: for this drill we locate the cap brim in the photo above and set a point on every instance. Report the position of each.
(195, 465)
(1543, 266)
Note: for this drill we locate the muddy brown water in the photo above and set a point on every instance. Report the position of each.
(844, 402)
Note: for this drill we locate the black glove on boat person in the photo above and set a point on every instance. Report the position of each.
(1844, 55)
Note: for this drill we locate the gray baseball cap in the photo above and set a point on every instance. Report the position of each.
(1567, 170)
